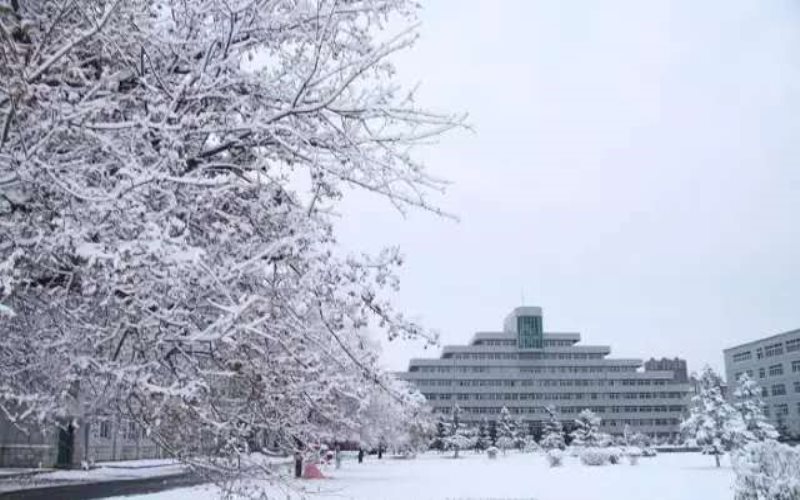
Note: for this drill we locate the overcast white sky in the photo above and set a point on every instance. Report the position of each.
(634, 170)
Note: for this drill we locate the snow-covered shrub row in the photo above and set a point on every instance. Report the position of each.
(767, 470)
(555, 457)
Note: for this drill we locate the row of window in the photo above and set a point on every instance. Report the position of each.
(542, 383)
(781, 410)
(524, 369)
(513, 343)
(773, 370)
(131, 431)
(780, 389)
(775, 349)
(484, 356)
(560, 396)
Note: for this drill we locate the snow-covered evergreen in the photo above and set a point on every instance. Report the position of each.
(713, 422)
(506, 433)
(484, 441)
(460, 437)
(553, 433)
(587, 431)
(750, 405)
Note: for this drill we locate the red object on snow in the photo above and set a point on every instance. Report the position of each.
(312, 472)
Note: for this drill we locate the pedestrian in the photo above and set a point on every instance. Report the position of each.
(360, 455)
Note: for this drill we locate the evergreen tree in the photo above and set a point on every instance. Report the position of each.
(484, 440)
(713, 422)
(587, 430)
(750, 406)
(505, 430)
(520, 433)
(553, 434)
(442, 428)
(459, 438)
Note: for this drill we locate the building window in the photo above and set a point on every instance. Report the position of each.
(105, 429)
(762, 372)
(131, 433)
(796, 366)
(742, 356)
(773, 349)
(778, 390)
(759, 353)
(781, 410)
(797, 386)
(793, 345)
(529, 332)
(775, 370)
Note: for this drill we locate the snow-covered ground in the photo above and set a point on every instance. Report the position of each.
(672, 476)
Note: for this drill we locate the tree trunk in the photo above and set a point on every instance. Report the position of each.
(716, 457)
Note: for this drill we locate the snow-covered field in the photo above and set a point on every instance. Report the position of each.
(675, 476)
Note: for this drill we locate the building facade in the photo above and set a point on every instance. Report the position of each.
(70, 445)
(526, 369)
(773, 362)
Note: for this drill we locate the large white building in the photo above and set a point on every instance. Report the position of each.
(773, 362)
(525, 369)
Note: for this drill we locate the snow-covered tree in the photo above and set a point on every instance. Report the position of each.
(553, 433)
(459, 437)
(403, 424)
(440, 433)
(483, 441)
(767, 470)
(169, 177)
(520, 433)
(713, 422)
(587, 430)
(505, 430)
(750, 405)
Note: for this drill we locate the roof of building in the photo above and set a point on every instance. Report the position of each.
(764, 339)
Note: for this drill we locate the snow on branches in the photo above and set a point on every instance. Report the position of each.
(168, 175)
(713, 422)
(750, 405)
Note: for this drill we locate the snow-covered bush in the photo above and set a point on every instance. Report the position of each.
(594, 456)
(505, 442)
(633, 453)
(614, 454)
(492, 452)
(555, 457)
(530, 445)
(767, 470)
(649, 451)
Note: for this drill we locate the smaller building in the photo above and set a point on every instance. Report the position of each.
(69, 445)
(773, 362)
